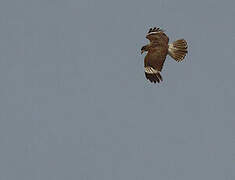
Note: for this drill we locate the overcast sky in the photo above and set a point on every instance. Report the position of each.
(75, 104)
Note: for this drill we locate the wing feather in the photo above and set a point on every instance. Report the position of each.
(159, 38)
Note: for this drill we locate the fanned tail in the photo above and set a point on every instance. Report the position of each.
(178, 49)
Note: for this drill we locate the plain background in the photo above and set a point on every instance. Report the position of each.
(75, 105)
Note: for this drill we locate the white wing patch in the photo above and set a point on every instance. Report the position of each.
(150, 70)
(154, 33)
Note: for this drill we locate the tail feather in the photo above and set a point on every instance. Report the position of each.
(178, 49)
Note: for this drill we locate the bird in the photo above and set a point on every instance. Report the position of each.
(157, 50)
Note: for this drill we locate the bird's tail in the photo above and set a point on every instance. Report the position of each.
(178, 49)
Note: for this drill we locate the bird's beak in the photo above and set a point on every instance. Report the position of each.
(142, 51)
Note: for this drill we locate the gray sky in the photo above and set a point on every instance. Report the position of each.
(75, 103)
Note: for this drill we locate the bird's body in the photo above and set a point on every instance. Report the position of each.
(157, 50)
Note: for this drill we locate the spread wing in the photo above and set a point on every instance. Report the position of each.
(157, 36)
(155, 58)
(153, 63)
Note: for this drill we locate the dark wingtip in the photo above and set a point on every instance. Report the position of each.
(150, 30)
(154, 77)
(155, 29)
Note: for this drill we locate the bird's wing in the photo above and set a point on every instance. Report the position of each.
(153, 63)
(157, 37)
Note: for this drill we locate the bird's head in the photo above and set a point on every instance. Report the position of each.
(144, 48)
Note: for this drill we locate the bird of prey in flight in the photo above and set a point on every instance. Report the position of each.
(157, 50)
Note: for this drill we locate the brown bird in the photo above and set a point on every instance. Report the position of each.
(157, 50)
